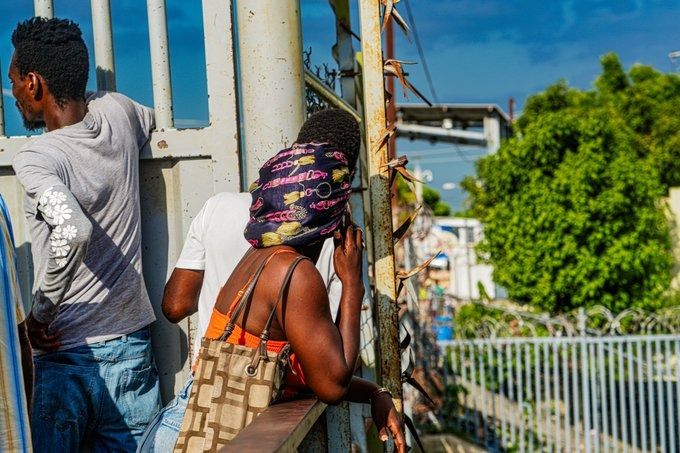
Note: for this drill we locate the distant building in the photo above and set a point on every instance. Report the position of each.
(465, 273)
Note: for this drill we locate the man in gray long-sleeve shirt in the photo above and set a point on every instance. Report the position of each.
(95, 376)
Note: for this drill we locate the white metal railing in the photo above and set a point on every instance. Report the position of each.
(591, 391)
(103, 45)
(160, 63)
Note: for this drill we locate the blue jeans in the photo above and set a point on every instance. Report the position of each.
(102, 395)
(163, 431)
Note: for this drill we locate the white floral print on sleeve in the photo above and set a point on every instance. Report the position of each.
(70, 232)
(53, 204)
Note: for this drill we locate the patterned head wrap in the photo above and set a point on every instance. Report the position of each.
(300, 197)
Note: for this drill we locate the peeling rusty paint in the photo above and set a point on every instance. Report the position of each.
(389, 361)
(162, 144)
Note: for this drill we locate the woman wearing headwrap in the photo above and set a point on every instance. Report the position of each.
(300, 199)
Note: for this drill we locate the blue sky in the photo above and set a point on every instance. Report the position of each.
(477, 50)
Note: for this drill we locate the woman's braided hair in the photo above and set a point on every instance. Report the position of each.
(335, 127)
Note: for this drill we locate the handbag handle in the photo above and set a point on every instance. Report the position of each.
(261, 352)
(245, 294)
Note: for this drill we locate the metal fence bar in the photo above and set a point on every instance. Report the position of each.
(547, 395)
(594, 391)
(453, 380)
(473, 379)
(482, 381)
(640, 397)
(531, 399)
(43, 8)
(650, 392)
(602, 394)
(623, 416)
(658, 401)
(611, 400)
(511, 394)
(160, 63)
(585, 372)
(670, 399)
(520, 396)
(677, 382)
(2, 109)
(501, 405)
(103, 45)
(327, 94)
(556, 397)
(464, 378)
(575, 389)
(537, 392)
(632, 397)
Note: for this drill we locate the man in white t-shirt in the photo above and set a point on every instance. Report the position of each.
(214, 246)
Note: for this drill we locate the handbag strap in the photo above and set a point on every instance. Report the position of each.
(261, 352)
(244, 294)
(286, 280)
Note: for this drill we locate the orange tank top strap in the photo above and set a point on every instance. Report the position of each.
(244, 299)
(261, 351)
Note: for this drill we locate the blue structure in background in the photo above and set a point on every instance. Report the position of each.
(443, 328)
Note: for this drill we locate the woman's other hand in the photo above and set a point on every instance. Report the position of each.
(347, 257)
(387, 420)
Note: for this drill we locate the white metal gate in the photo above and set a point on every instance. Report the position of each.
(563, 384)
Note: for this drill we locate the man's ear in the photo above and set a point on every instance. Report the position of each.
(34, 84)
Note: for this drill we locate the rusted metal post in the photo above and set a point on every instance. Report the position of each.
(392, 105)
(344, 429)
(327, 94)
(389, 366)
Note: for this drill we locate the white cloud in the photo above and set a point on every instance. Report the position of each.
(568, 16)
(7, 92)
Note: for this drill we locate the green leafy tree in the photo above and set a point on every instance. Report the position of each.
(571, 204)
(431, 198)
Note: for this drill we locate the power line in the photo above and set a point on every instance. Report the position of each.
(442, 160)
(424, 153)
(460, 153)
(420, 51)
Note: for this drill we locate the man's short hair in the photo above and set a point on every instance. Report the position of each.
(53, 48)
(336, 127)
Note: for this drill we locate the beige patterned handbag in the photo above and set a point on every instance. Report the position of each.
(233, 383)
